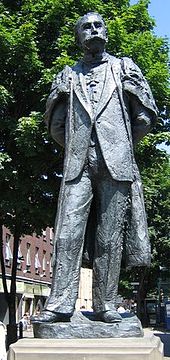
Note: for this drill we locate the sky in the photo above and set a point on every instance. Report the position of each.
(160, 11)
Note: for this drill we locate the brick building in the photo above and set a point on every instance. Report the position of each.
(34, 273)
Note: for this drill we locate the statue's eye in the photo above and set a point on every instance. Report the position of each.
(86, 26)
(98, 24)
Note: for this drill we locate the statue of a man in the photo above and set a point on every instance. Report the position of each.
(97, 111)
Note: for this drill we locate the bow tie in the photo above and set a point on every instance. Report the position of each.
(88, 60)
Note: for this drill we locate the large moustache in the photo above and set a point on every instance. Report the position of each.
(95, 37)
(94, 40)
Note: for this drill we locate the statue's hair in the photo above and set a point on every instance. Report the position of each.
(81, 20)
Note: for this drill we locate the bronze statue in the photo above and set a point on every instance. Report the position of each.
(97, 110)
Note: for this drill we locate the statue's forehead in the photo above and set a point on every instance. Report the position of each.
(91, 18)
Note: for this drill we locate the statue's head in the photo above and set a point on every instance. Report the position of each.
(90, 31)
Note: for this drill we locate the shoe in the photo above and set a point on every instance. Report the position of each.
(50, 317)
(109, 316)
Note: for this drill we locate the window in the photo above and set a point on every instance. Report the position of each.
(37, 262)
(44, 263)
(20, 258)
(51, 265)
(8, 252)
(44, 235)
(51, 235)
(28, 258)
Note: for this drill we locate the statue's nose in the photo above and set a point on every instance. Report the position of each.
(93, 29)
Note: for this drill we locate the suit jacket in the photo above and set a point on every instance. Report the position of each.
(70, 117)
(123, 116)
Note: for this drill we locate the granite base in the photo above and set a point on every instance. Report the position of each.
(85, 326)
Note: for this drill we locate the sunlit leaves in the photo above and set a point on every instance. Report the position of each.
(36, 42)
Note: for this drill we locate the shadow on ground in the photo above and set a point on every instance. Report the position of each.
(165, 338)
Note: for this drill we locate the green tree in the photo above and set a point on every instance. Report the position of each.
(36, 41)
(155, 170)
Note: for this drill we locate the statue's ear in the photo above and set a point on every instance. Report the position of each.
(106, 36)
(77, 37)
(77, 41)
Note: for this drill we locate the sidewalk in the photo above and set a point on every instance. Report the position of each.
(29, 332)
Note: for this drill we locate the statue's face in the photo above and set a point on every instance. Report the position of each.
(92, 31)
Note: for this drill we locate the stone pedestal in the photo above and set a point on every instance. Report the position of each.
(148, 347)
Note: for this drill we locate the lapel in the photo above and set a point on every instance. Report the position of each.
(79, 86)
(116, 69)
(108, 87)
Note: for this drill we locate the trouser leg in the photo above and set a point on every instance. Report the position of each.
(69, 238)
(111, 204)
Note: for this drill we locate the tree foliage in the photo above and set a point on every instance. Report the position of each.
(36, 41)
(155, 170)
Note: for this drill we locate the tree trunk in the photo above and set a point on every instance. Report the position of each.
(12, 327)
(12, 302)
(3, 264)
(11, 297)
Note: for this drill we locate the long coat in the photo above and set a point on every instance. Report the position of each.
(73, 126)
